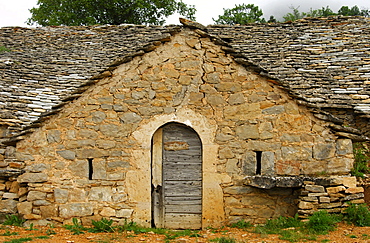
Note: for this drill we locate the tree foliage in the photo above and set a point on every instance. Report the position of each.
(240, 14)
(90, 12)
(325, 12)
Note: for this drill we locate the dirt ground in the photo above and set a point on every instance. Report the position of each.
(343, 233)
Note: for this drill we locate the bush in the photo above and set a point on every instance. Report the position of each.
(358, 214)
(321, 222)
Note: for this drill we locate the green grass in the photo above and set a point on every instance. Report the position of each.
(292, 229)
(358, 214)
(242, 224)
(8, 233)
(223, 240)
(321, 222)
(25, 239)
(4, 49)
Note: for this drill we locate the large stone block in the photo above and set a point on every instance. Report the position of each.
(99, 170)
(75, 210)
(344, 146)
(87, 134)
(24, 208)
(8, 206)
(314, 188)
(49, 211)
(249, 164)
(98, 116)
(32, 177)
(101, 194)
(247, 132)
(91, 153)
(324, 151)
(130, 117)
(124, 213)
(236, 99)
(242, 112)
(108, 212)
(80, 167)
(36, 195)
(60, 195)
(340, 165)
(268, 163)
(215, 99)
(67, 154)
(296, 153)
(275, 110)
(53, 136)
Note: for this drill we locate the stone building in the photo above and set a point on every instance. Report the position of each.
(182, 126)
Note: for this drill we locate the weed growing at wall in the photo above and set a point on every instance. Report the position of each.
(361, 165)
(358, 214)
(242, 224)
(321, 222)
(13, 220)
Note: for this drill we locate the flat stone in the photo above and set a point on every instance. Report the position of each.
(67, 154)
(353, 190)
(24, 207)
(247, 131)
(101, 194)
(49, 211)
(324, 199)
(130, 117)
(36, 195)
(75, 210)
(318, 194)
(344, 146)
(275, 110)
(305, 205)
(108, 212)
(353, 196)
(9, 195)
(53, 136)
(8, 206)
(333, 190)
(60, 195)
(314, 188)
(323, 151)
(32, 177)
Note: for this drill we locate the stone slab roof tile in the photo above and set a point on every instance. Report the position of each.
(323, 62)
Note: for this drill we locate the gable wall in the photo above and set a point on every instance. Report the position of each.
(188, 80)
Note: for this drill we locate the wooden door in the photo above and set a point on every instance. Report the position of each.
(177, 195)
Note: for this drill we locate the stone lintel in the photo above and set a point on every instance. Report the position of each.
(268, 182)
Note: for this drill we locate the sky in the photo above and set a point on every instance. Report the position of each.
(16, 12)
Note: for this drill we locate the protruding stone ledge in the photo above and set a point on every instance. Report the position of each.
(268, 182)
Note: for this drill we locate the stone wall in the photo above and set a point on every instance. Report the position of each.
(93, 158)
(331, 194)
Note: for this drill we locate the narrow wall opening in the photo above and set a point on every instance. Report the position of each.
(91, 168)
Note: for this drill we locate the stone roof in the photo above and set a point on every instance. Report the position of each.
(323, 62)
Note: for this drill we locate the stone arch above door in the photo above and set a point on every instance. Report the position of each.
(212, 196)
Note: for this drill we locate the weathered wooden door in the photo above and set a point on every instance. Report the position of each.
(177, 177)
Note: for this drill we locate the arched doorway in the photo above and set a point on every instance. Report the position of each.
(176, 177)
